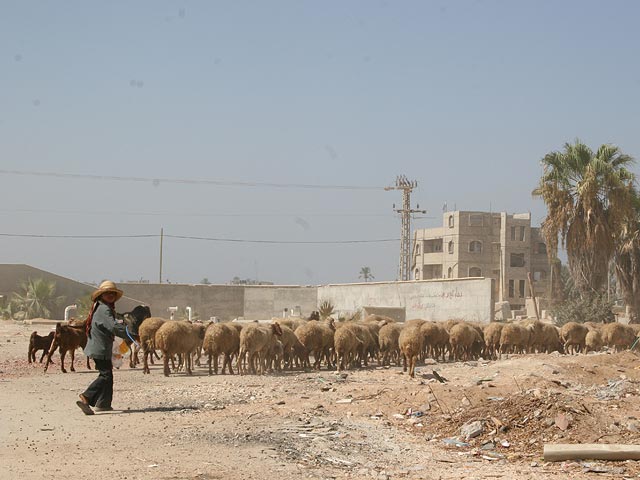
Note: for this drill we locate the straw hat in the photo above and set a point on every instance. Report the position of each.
(107, 286)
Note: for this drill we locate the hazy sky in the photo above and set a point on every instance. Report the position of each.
(464, 97)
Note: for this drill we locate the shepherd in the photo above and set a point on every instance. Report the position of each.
(102, 328)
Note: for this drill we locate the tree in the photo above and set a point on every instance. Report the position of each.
(627, 265)
(365, 273)
(37, 299)
(589, 198)
(205, 281)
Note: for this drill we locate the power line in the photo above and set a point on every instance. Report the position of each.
(210, 239)
(156, 181)
(187, 214)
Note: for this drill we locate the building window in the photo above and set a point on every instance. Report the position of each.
(521, 288)
(511, 288)
(497, 222)
(516, 260)
(450, 246)
(542, 248)
(449, 272)
(497, 246)
(417, 274)
(475, 220)
(522, 234)
(417, 249)
(451, 223)
(475, 246)
(539, 275)
(437, 246)
(513, 233)
(475, 272)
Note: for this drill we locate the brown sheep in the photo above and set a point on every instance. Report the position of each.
(179, 338)
(255, 339)
(388, 343)
(514, 338)
(551, 339)
(347, 344)
(147, 334)
(592, 341)
(573, 337)
(221, 339)
(315, 337)
(291, 348)
(462, 338)
(37, 342)
(492, 333)
(618, 336)
(436, 340)
(411, 342)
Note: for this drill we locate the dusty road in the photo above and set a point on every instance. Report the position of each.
(373, 423)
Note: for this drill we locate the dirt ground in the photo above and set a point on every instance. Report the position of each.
(373, 423)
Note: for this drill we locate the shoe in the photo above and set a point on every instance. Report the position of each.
(86, 409)
(103, 409)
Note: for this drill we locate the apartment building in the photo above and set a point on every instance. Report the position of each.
(499, 246)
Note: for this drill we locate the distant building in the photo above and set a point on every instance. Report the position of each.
(499, 246)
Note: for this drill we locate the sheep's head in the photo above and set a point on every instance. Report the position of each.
(331, 323)
(277, 330)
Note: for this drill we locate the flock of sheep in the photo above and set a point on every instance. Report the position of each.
(291, 343)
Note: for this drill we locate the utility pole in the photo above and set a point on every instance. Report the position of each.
(402, 183)
(161, 238)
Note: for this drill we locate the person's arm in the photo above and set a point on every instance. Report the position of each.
(113, 327)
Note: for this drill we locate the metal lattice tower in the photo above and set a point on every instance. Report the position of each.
(402, 183)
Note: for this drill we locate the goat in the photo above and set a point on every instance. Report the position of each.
(37, 342)
(68, 338)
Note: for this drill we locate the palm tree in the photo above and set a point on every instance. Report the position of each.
(365, 273)
(37, 299)
(589, 197)
(627, 265)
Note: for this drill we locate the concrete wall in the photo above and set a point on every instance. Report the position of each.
(429, 299)
(11, 276)
(265, 301)
(223, 301)
(440, 300)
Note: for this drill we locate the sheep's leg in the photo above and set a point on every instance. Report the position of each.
(145, 358)
(165, 356)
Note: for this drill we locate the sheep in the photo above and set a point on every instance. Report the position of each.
(37, 342)
(514, 338)
(68, 338)
(462, 338)
(492, 333)
(411, 342)
(291, 323)
(618, 336)
(388, 343)
(347, 344)
(551, 339)
(221, 339)
(254, 342)
(573, 335)
(436, 340)
(147, 334)
(593, 341)
(292, 348)
(178, 337)
(315, 337)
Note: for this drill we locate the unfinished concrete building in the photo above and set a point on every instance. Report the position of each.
(499, 246)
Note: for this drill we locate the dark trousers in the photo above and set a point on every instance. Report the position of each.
(100, 392)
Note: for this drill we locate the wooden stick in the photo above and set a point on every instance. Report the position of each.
(592, 451)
